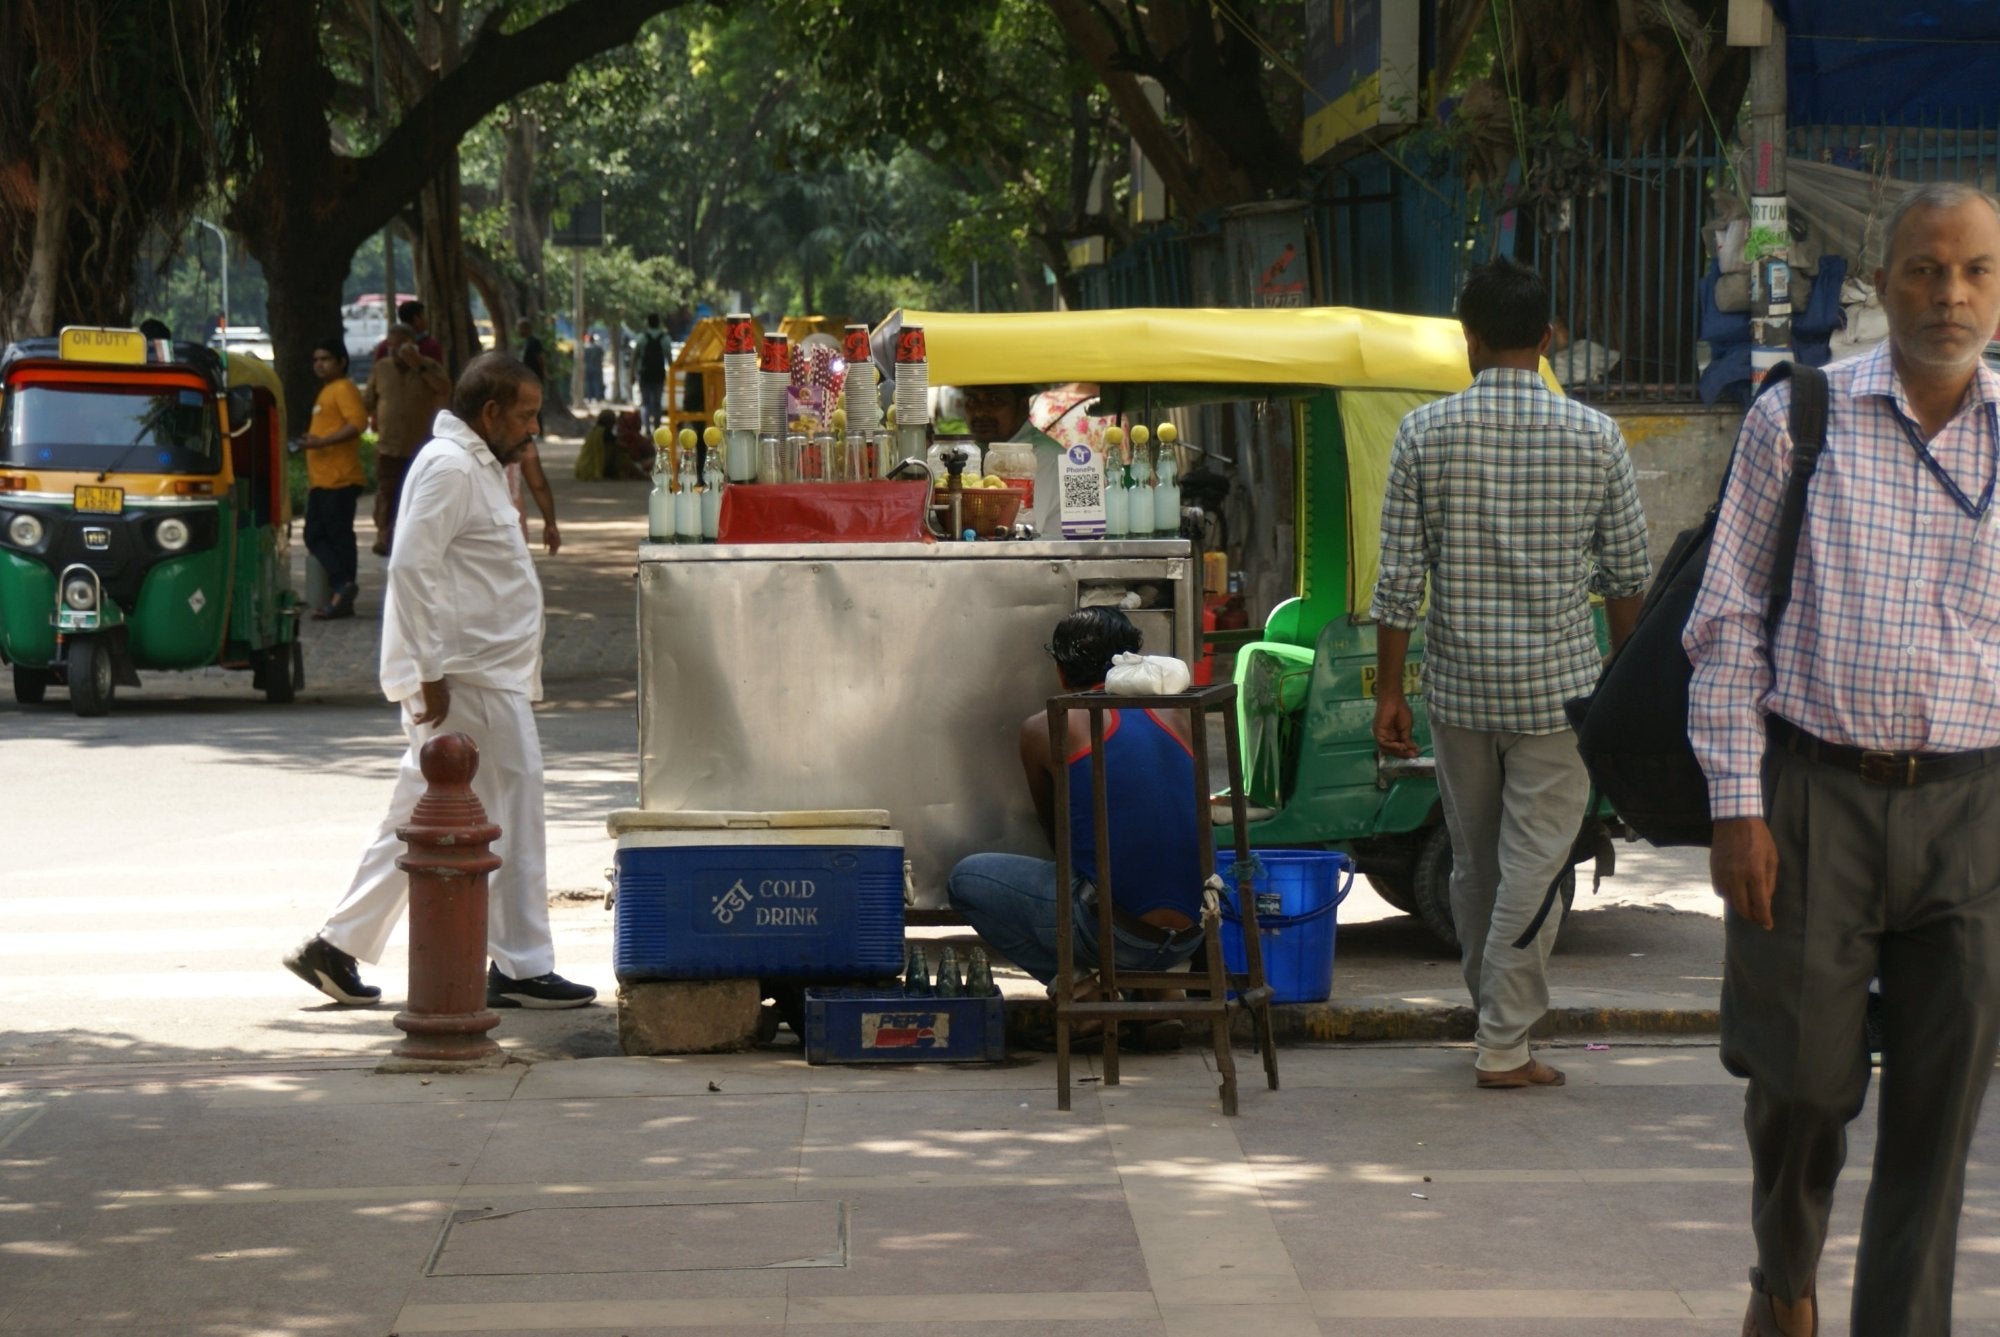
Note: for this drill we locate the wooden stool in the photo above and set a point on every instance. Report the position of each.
(1253, 992)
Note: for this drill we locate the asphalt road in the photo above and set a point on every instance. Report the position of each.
(155, 863)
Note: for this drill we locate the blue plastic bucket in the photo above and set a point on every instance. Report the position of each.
(1298, 893)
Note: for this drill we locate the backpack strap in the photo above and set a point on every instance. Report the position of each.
(1808, 429)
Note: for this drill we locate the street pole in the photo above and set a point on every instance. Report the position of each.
(388, 233)
(576, 328)
(1751, 23)
(221, 240)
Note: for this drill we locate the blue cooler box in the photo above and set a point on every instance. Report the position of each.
(805, 896)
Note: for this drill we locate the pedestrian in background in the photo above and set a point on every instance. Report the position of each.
(1853, 763)
(412, 314)
(461, 649)
(404, 393)
(649, 368)
(334, 479)
(1507, 505)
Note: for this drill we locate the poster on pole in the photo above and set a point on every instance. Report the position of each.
(582, 225)
(1363, 69)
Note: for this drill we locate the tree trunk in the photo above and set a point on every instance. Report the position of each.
(304, 283)
(303, 210)
(524, 231)
(1099, 46)
(34, 310)
(441, 278)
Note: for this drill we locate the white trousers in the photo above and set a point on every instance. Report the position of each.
(1513, 803)
(508, 784)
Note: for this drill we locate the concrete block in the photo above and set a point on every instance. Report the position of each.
(688, 1016)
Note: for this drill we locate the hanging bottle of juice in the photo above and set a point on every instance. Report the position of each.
(1114, 482)
(660, 505)
(1167, 484)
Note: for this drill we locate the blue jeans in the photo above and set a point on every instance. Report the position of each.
(650, 394)
(1010, 899)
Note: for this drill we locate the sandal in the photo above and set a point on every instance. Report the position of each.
(1532, 1073)
(1761, 1319)
(340, 605)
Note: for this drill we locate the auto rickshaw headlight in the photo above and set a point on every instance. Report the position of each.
(24, 531)
(80, 595)
(171, 534)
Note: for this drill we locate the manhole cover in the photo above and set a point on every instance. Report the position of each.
(691, 1237)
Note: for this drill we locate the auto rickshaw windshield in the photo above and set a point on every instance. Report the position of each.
(102, 428)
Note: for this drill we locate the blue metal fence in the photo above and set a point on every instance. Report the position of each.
(1935, 148)
(1396, 230)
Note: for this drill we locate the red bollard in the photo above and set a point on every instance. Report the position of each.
(449, 837)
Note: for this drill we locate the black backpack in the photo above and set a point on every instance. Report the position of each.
(653, 356)
(1632, 728)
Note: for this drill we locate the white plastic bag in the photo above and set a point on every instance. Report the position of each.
(1146, 675)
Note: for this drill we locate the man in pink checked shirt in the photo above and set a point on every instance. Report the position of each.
(1853, 765)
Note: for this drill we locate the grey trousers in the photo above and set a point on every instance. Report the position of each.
(1904, 881)
(1513, 802)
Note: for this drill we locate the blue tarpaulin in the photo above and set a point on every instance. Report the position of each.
(1851, 61)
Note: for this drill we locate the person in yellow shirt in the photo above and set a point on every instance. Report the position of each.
(332, 446)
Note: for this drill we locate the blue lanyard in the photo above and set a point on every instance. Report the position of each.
(1976, 510)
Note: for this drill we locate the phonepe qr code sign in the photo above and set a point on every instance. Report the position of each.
(1082, 491)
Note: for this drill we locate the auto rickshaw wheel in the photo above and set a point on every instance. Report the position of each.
(283, 672)
(92, 676)
(30, 685)
(1432, 886)
(1395, 889)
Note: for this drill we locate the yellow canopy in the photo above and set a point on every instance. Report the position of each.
(1323, 346)
(247, 369)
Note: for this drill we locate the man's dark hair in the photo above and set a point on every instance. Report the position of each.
(490, 378)
(1086, 642)
(155, 328)
(652, 322)
(334, 348)
(409, 311)
(1505, 304)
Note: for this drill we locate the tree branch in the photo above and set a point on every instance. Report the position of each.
(496, 68)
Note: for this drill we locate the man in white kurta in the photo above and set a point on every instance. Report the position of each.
(461, 651)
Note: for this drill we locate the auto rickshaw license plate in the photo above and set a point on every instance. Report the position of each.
(107, 500)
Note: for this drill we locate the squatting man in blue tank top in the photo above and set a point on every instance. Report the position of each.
(1155, 851)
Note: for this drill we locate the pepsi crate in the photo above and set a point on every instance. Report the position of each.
(726, 901)
(890, 1026)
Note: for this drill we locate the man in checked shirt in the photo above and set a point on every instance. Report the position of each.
(1853, 767)
(1514, 504)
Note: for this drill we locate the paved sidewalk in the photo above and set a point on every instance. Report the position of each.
(1376, 1195)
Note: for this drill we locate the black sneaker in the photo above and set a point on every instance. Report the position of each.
(333, 972)
(543, 991)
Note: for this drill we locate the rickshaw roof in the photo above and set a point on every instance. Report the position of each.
(200, 359)
(1300, 347)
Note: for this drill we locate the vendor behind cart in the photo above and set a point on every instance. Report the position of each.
(1155, 851)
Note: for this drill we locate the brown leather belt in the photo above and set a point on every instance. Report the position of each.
(1897, 769)
(1137, 927)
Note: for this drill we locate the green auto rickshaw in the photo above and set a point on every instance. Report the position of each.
(1306, 679)
(144, 516)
